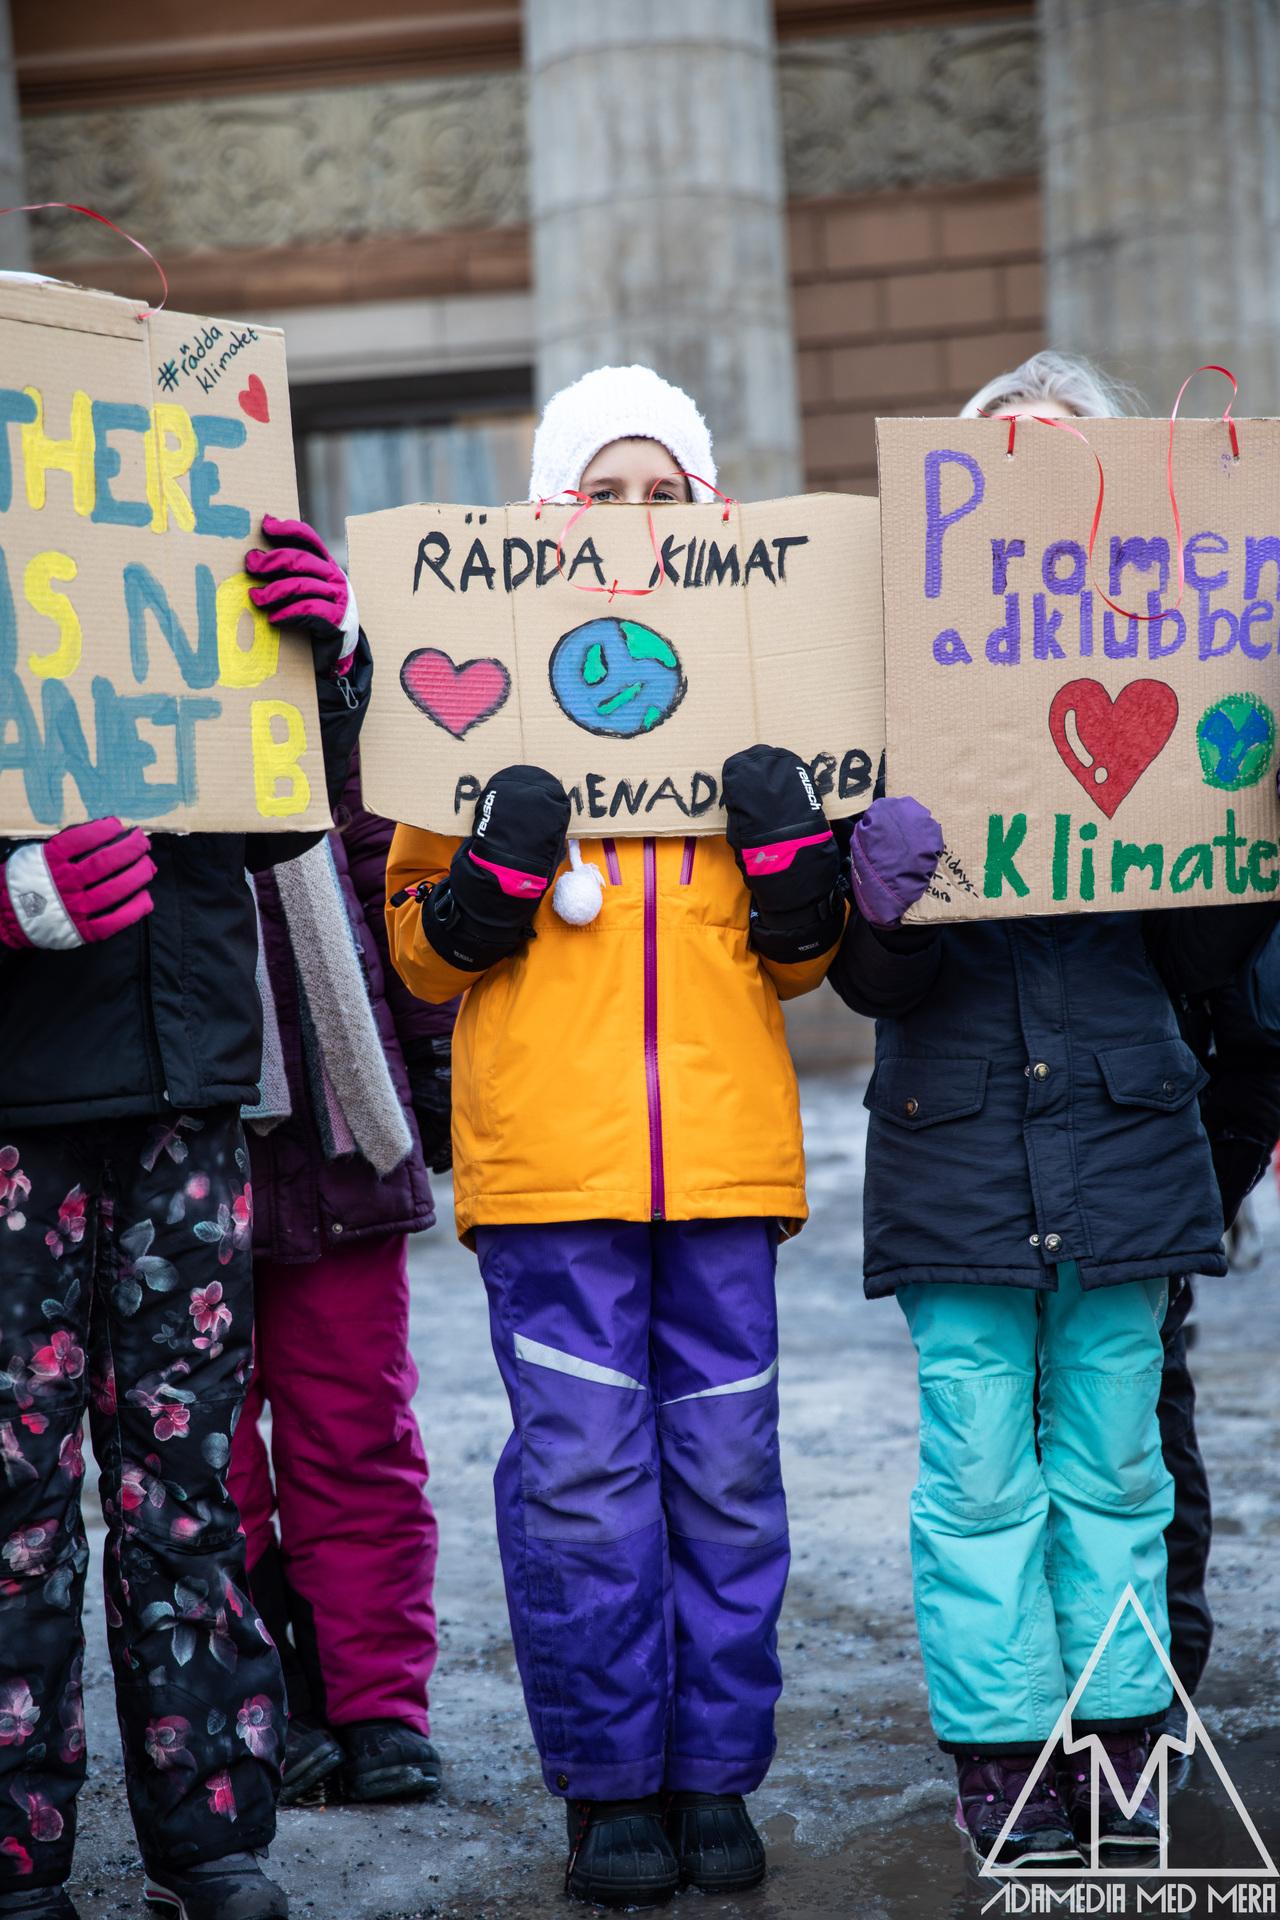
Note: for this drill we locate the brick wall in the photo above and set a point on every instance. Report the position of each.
(904, 304)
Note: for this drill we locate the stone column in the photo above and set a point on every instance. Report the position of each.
(657, 209)
(15, 245)
(1162, 191)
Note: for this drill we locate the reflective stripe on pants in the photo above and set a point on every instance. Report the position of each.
(641, 1515)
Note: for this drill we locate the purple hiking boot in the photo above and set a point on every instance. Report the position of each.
(990, 1786)
(1123, 1838)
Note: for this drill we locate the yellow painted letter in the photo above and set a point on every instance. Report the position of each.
(244, 666)
(45, 597)
(73, 456)
(170, 451)
(277, 759)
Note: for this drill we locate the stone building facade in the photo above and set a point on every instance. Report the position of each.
(370, 183)
(839, 207)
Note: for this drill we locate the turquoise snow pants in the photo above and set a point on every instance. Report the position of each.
(1017, 1560)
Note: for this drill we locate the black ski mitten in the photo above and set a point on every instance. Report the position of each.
(786, 852)
(483, 912)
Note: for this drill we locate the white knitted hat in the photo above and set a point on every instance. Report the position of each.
(617, 403)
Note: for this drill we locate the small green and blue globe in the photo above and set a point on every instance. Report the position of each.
(1236, 738)
(616, 677)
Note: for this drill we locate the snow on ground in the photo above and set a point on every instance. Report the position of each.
(857, 1807)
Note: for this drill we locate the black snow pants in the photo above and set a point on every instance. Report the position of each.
(1188, 1535)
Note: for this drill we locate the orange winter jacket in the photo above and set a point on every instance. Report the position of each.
(633, 1069)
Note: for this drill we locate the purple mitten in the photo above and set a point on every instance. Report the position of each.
(303, 586)
(897, 844)
(84, 884)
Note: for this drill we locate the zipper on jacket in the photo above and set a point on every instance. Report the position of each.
(611, 863)
(150, 1027)
(653, 1087)
(686, 864)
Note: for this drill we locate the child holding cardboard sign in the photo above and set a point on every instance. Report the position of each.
(1037, 1173)
(133, 1038)
(627, 1151)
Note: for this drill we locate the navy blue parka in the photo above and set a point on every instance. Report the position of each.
(1033, 1099)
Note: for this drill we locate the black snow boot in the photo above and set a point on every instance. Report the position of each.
(233, 1888)
(1174, 1727)
(38, 1903)
(715, 1842)
(1124, 1839)
(619, 1854)
(311, 1754)
(385, 1760)
(990, 1787)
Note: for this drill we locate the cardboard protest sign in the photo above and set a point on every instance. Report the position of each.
(1081, 756)
(137, 454)
(508, 635)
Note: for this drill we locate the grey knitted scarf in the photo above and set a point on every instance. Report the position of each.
(352, 1068)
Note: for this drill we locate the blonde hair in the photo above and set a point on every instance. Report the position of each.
(1067, 378)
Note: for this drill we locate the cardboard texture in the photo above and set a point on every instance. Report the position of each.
(135, 678)
(763, 627)
(1080, 760)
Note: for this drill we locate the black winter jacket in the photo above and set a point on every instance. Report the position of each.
(1240, 1106)
(164, 1017)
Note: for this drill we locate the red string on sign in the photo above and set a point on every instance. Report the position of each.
(71, 206)
(1067, 426)
(610, 592)
(710, 486)
(635, 593)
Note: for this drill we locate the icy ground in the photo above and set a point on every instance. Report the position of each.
(857, 1807)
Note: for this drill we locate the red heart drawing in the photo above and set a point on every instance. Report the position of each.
(456, 698)
(253, 399)
(1115, 740)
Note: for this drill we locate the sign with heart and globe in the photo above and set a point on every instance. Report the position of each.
(1092, 719)
(629, 650)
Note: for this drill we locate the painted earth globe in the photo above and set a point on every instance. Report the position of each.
(616, 677)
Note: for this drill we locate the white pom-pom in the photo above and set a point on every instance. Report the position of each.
(578, 893)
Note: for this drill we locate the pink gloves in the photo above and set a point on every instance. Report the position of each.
(897, 845)
(305, 587)
(84, 884)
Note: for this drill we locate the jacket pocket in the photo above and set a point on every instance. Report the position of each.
(490, 1002)
(923, 1092)
(1163, 1074)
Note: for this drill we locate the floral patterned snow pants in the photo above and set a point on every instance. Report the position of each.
(126, 1288)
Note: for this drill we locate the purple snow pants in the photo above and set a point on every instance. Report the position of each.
(641, 1516)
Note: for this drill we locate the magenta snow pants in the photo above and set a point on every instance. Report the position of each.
(641, 1515)
(357, 1536)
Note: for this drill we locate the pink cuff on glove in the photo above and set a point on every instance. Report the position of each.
(777, 857)
(11, 934)
(521, 885)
